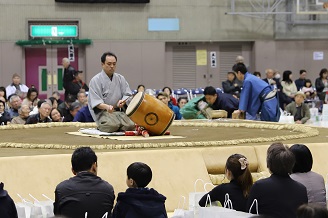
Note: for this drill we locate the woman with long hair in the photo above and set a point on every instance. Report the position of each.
(237, 171)
(288, 85)
(31, 98)
(321, 84)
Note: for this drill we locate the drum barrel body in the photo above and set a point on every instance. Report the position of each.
(150, 113)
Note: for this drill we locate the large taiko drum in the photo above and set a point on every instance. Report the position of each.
(150, 113)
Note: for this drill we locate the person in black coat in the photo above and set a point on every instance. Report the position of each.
(138, 201)
(68, 75)
(85, 192)
(7, 205)
(4, 115)
(279, 195)
(241, 181)
(77, 85)
(232, 85)
(321, 84)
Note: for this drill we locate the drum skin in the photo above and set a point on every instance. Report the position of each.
(150, 113)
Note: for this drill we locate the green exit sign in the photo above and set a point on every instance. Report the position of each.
(53, 31)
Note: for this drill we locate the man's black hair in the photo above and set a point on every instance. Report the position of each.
(239, 67)
(103, 57)
(83, 158)
(209, 90)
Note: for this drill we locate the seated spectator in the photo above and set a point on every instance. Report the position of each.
(182, 101)
(3, 96)
(279, 195)
(24, 112)
(31, 98)
(194, 109)
(321, 84)
(56, 95)
(4, 115)
(7, 205)
(258, 74)
(82, 98)
(288, 85)
(168, 91)
(54, 102)
(73, 109)
(64, 107)
(138, 201)
(312, 211)
(85, 192)
(141, 88)
(300, 82)
(308, 90)
(83, 115)
(299, 109)
(55, 115)
(77, 85)
(14, 103)
(237, 172)
(42, 116)
(314, 182)
(16, 87)
(163, 97)
(232, 85)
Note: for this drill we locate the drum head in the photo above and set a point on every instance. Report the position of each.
(135, 103)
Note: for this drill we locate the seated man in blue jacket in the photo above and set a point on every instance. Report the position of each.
(213, 99)
(163, 97)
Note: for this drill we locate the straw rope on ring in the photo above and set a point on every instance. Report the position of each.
(300, 131)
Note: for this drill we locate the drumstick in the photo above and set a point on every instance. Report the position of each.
(124, 101)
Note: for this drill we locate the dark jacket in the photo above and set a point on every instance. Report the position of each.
(7, 205)
(230, 88)
(235, 195)
(277, 196)
(225, 102)
(83, 115)
(4, 118)
(35, 118)
(140, 203)
(83, 193)
(68, 78)
(299, 83)
(75, 86)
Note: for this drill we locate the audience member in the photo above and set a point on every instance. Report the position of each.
(279, 195)
(257, 74)
(83, 115)
(312, 211)
(232, 85)
(64, 107)
(7, 205)
(271, 80)
(314, 182)
(164, 97)
(182, 101)
(288, 85)
(141, 88)
(54, 102)
(239, 59)
(14, 103)
(256, 96)
(299, 109)
(308, 90)
(73, 109)
(16, 87)
(68, 75)
(31, 98)
(24, 112)
(300, 82)
(85, 192)
(77, 85)
(55, 115)
(321, 84)
(4, 115)
(56, 95)
(138, 201)
(237, 172)
(82, 98)
(42, 116)
(3, 93)
(168, 91)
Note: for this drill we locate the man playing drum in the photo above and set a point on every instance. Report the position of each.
(108, 92)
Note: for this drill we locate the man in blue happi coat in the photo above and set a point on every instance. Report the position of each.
(256, 96)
